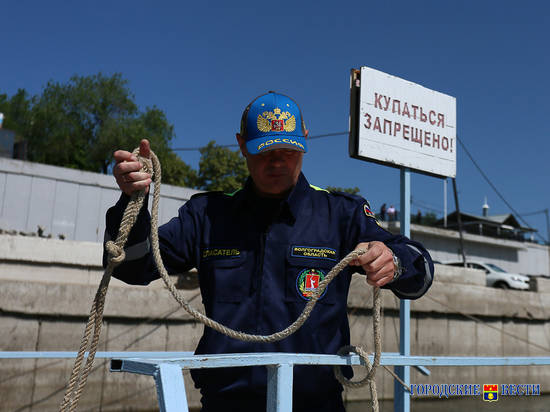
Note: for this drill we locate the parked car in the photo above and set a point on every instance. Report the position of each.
(496, 276)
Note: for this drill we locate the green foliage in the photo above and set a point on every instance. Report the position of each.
(429, 219)
(79, 124)
(350, 190)
(174, 170)
(221, 169)
(17, 112)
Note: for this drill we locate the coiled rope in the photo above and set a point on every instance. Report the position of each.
(80, 372)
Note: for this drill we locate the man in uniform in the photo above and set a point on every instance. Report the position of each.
(262, 251)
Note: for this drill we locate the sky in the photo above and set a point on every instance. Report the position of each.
(202, 62)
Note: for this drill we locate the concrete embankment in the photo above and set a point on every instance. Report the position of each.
(47, 286)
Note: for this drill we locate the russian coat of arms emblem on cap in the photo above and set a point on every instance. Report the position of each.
(308, 281)
(276, 121)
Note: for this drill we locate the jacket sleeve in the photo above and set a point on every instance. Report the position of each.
(176, 241)
(417, 264)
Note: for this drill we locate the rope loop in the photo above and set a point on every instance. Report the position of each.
(117, 254)
(345, 350)
(369, 379)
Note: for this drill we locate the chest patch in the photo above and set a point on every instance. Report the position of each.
(220, 253)
(313, 252)
(308, 281)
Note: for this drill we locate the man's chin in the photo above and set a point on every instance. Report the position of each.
(276, 187)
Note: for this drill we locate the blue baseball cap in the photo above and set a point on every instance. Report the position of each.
(273, 121)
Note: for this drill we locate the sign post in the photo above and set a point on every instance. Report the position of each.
(401, 124)
(401, 398)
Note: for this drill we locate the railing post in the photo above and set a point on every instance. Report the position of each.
(279, 387)
(171, 388)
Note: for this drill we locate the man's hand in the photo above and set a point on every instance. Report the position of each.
(127, 170)
(377, 263)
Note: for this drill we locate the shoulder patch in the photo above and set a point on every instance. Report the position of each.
(368, 212)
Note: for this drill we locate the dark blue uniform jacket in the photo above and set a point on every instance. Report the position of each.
(259, 261)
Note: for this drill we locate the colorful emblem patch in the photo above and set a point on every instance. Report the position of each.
(490, 393)
(308, 281)
(277, 125)
(276, 121)
(367, 211)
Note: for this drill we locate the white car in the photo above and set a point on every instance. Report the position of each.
(497, 277)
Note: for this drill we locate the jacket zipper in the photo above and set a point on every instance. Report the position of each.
(259, 298)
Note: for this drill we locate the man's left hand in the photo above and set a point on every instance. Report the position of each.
(377, 262)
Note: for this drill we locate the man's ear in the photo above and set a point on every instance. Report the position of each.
(306, 132)
(242, 144)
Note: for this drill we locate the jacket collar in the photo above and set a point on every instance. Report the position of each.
(246, 199)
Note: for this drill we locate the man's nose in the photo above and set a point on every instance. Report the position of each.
(276, 155)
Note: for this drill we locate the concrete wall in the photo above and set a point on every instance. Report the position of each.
(66, 201)
(73, 203)
(44, 305)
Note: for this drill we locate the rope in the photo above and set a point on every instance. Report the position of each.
(371, 368)
(79, 374)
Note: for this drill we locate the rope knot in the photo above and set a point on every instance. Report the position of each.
(117, 254)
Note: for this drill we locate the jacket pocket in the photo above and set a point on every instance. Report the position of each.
(227, 278)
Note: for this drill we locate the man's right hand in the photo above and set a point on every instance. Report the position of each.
(127, 170)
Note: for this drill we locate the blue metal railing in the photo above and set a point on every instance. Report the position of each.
(166, 368)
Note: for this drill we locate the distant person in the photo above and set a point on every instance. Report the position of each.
(419, 217)
(261, 252)
(391, 213)
(383, 212)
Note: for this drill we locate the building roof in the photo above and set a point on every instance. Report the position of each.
(504, 221)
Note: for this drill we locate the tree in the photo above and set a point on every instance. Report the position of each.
(154, 126)
(159, 132)
(350, 190)
(17, 112)
(429, 219)
(221, 169)
(81, 123)
(72, 121)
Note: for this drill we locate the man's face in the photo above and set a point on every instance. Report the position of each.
(274, 172)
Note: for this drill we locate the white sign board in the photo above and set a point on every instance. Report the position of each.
(403, 124)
